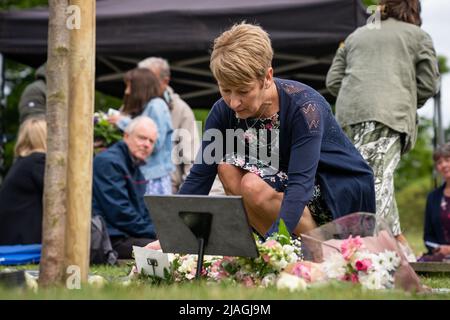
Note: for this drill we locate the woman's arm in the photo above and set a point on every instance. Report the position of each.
(158, 110)
(304, 158)
(427, 71)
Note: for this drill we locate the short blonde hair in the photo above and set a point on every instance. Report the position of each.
(32, 137)
(241, 55)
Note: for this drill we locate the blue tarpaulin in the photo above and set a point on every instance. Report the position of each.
(20, 254)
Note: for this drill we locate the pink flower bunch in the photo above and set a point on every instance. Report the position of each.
(357, 265)
(350, 246)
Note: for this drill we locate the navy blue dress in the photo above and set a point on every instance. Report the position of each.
(313, 149)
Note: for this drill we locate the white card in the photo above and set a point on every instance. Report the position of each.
(113, 112)
(151, 262)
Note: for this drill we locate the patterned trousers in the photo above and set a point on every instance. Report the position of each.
(381, 147)
(161, 185)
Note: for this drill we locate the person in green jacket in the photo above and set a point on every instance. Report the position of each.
(34, 98)
(381, 75)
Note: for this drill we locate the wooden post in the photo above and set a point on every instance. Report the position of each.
(54, 199)
(81, 109)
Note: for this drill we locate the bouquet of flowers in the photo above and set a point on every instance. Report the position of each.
(361, 249)
(356, 264)
(105, 133)
(275, 254)
(370, 261)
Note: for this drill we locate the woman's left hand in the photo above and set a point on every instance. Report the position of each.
(114, 118)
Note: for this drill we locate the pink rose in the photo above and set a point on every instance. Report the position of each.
(351, 277)
(302, 271)
(354, 278)
(248, 281)
(363, 265)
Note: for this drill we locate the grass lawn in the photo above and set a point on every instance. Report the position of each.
(203, 291)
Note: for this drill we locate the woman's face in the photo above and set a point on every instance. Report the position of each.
(443, 167)
(247, 101)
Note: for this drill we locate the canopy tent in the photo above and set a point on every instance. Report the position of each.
(305, 35)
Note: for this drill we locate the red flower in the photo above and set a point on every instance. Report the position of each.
(363, 265)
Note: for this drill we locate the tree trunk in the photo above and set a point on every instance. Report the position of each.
(54, 217)
(81, 110)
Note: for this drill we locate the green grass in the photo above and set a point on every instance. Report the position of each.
(203, 291)
(115, 275)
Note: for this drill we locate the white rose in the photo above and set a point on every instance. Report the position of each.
(268, 280)
(291, 282)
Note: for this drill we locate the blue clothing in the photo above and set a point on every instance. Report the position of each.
(118, 194)
(433, 229)
(161, 186)
(313, 148)
(159, 163)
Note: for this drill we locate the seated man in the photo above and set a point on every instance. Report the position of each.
(119, 187)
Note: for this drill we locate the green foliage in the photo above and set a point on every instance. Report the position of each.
(443, 67)
(411, 204)
(105, 133)
(369, 2)
(283, 234)
(17, 76)
(201, 115)
(22, 4)
(447, 134)
(103, 102)
(418, 163)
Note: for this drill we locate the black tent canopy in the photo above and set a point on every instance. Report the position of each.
(304, 33)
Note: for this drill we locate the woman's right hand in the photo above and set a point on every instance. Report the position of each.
(155, 245)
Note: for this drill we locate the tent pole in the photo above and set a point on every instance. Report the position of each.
(2, 117)
(438, 138)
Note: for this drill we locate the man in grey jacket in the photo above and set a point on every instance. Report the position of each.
(381, 76)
